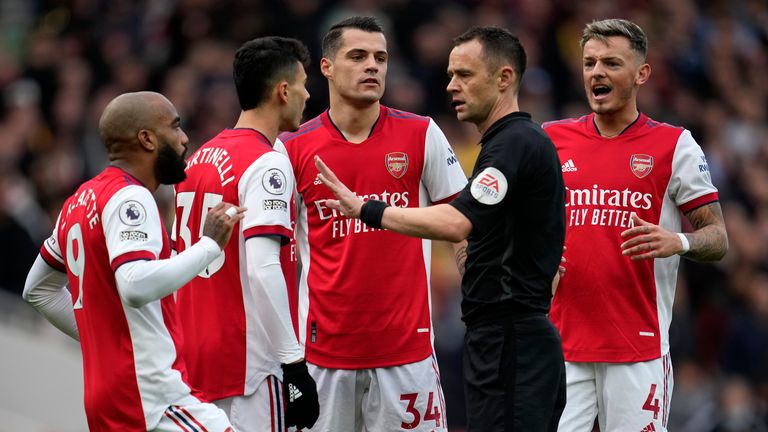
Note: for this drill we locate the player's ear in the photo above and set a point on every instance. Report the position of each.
(326, 67)
(282, 90)
(147, 140)
(643, 74)
(506, 77)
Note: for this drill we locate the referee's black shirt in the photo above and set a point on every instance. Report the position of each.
(516, 203)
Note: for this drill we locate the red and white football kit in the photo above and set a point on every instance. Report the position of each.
(608, 308)
(365, 293)
(134, 379)
(235, 314)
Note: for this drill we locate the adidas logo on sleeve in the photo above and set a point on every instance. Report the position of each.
(569, 166)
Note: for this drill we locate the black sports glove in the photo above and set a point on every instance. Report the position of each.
(300, 392)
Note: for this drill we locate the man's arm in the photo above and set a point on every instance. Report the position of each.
(142, 282)
(708, 242)
(45, 289)
(440, 222)
(460, 251)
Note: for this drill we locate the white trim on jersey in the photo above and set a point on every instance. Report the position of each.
(267, 205)
(133, 209)
(302, 232)
(442, 175)
(688, 181)
(690, 173)
(123, 234)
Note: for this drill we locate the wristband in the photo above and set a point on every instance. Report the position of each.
(371, 213)
(686, 243)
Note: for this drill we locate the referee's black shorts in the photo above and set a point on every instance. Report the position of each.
(514, 375)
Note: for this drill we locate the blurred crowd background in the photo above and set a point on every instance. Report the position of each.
(62, 61)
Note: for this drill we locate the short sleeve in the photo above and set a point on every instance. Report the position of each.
(132, 227)
(494, 176)
(51, 252)
(691, 183)
(442, 175)
(265, 189)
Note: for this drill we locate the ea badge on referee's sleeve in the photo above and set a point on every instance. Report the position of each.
(489, 186)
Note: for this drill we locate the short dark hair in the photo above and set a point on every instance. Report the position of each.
(262, 62)
(332, 39)
(499, 47)
(602, 30)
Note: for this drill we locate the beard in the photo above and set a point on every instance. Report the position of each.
(169, 166)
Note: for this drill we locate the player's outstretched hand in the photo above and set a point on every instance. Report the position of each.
(647, 241)
(347, 203)
(300, 391)
(220, 221)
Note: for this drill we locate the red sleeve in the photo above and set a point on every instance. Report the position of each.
(51, 259)
(698, 202)
(132, 256)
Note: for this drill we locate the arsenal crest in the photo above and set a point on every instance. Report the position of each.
(641, 164)
(396, 163)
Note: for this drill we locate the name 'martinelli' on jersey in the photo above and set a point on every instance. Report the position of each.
(624, 202)
(344, 226)
(216, 157)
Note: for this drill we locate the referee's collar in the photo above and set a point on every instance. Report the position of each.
(501, 123)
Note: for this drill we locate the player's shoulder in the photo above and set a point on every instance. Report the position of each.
(111, 181)
(404, 115)
(306, 128)
(565, 123)
(654, 124)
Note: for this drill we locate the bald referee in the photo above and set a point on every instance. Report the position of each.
(513, 215)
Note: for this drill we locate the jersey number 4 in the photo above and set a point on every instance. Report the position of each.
(652, 404)
(184, 200)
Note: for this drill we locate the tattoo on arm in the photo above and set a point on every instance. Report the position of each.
(461, 257)
(709, 241)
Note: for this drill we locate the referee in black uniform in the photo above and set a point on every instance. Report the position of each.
(513, 215)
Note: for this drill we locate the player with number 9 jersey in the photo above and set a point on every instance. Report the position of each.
(110, 245)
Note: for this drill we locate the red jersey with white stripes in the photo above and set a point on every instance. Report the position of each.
(227, 348)
(364, 293)
(607, 307)
(131, 369)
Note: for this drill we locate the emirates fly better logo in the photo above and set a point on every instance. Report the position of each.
(397, 163)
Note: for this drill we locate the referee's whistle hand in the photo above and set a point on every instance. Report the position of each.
(347, 202)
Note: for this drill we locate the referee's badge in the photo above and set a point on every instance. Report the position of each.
(396, 163)
(489, 186)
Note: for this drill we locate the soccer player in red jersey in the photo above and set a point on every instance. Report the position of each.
(629, 179)
(364, 293)
(110, 245)
(235, 314)
(512, 215)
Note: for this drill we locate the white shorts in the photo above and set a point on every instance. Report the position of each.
(623, 396)
(199, 417)
(262, 411)
(407, 397)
